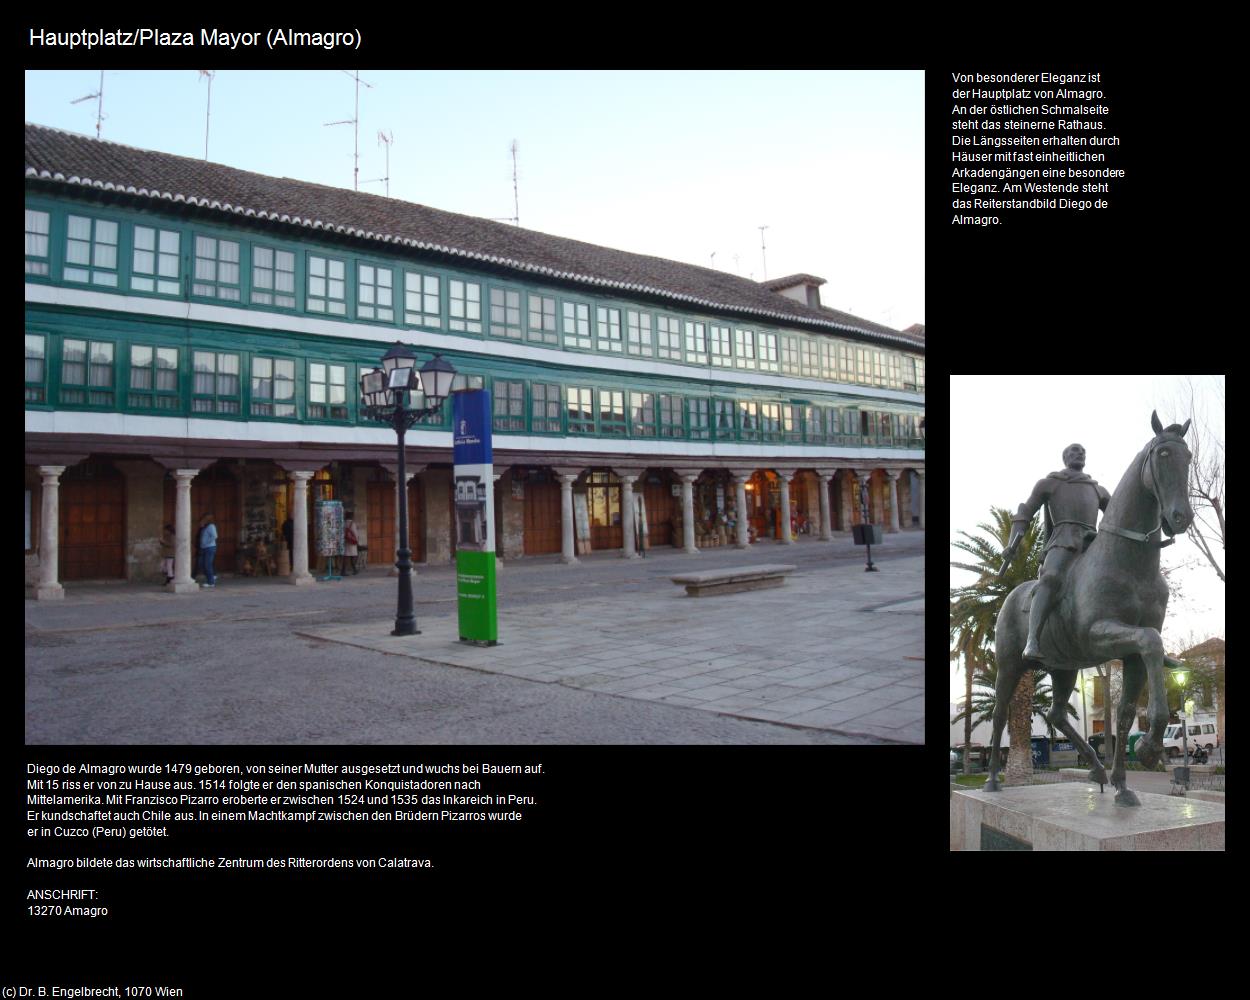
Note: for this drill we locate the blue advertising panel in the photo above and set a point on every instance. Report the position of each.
(475, 517)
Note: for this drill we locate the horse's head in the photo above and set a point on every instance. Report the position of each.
(1165, 472)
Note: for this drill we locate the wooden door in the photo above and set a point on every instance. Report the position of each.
(661, 504)
(606, 531)
(214, 490)
(381, 513)
(92, 542)
(543, 520)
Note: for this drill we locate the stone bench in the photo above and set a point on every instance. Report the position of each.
(734, 580)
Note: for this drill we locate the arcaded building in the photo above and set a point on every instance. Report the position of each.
(195, 334)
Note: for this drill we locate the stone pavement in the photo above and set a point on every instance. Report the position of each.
(835, 648)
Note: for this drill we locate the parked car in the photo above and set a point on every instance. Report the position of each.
(1201, 731)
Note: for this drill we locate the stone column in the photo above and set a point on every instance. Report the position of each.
(395, 534)
(299, 551)
(184, 582)
(48, 587)
(687, 511)
(826, 521)
(627, 516)
(568, 549)
(740, 499)
(920, 478)
(785, 475)
(893, 475)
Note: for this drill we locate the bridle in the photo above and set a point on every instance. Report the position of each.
(1137, 536)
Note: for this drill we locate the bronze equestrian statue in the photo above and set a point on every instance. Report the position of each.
(1104, 603)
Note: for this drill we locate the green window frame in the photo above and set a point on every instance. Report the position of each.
(885, 434)
(505, 313)
(672, 416)
(846, 362)
(36, 368)
(509, 404)
(920, 374)
(576, 325)
(896, 371)
(668, 338)
(792, 423)
(789, 355)
(273, 387)
(273, 277)
(720, 346)
(828, 360)
(545, 407)
(863, 366)
(422, 299)
(770, 421)
(327, 391)
(38, 238)
(579, 406)
(698, 418)
(612, 412)
(542, 320)
(638, 333)
(217, 269)
(216, 384)
(153, 378)
(327, 285)
(813, 425)
(642, 414)
(464, 305)
(87, 372)
(748, 421)
(91, 251)
(608, 329)
(696, 342)
(155, 261)
(908, 365)
(375, 292)
(723, 420)
(880, 369)
(744, 348)
(809, 357)
(768, 352)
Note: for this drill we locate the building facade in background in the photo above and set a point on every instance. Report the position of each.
(195, 334)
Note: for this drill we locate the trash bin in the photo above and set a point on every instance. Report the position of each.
(1132, 744)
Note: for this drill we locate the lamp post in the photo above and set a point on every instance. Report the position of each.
(384, 398)
(863, 508)
(1182, 773)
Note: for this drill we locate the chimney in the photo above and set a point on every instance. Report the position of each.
(804, 288)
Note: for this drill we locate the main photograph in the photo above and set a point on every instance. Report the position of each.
(474, 407)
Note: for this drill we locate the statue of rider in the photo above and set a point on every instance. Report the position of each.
(1072, 501)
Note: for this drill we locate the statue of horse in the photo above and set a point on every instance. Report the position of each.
(1111, 607)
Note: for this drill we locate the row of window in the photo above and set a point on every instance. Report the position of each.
(259, 275)
(88, 369)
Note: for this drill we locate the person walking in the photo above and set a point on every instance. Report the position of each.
(167, 552)
(208, 548)
(351, 550)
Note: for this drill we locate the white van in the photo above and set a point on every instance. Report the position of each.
(1202, 732)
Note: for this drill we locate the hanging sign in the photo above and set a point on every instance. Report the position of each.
(475, 517)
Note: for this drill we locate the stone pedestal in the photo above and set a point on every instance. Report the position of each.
(1075, 816)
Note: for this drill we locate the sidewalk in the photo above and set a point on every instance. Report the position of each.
(834, 648)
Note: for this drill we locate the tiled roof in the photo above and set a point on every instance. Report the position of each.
(62, 157)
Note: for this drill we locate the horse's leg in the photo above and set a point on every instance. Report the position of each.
(1010, 669)
(1114, 640)
(1062, 683)
(1134, 681)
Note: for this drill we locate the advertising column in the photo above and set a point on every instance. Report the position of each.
(475, 517)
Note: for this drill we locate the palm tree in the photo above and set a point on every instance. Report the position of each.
(974, 613)
(982, 702)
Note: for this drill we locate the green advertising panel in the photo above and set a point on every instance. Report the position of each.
(475, 594)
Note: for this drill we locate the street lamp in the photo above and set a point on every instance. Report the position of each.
(384, 398)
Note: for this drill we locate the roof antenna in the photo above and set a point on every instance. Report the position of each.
(515, 217)
(762, 255)
(99, 112)
(209, 74)
(355, 121)
(713, 258)
(385, 139)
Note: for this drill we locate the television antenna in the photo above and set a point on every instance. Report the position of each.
(763, 256)
(515, 217)
(207, 74)
(385, 139)
(99, 113)
(355, 122)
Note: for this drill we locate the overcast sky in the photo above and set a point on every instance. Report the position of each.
(680, 165)
(1009, 431)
